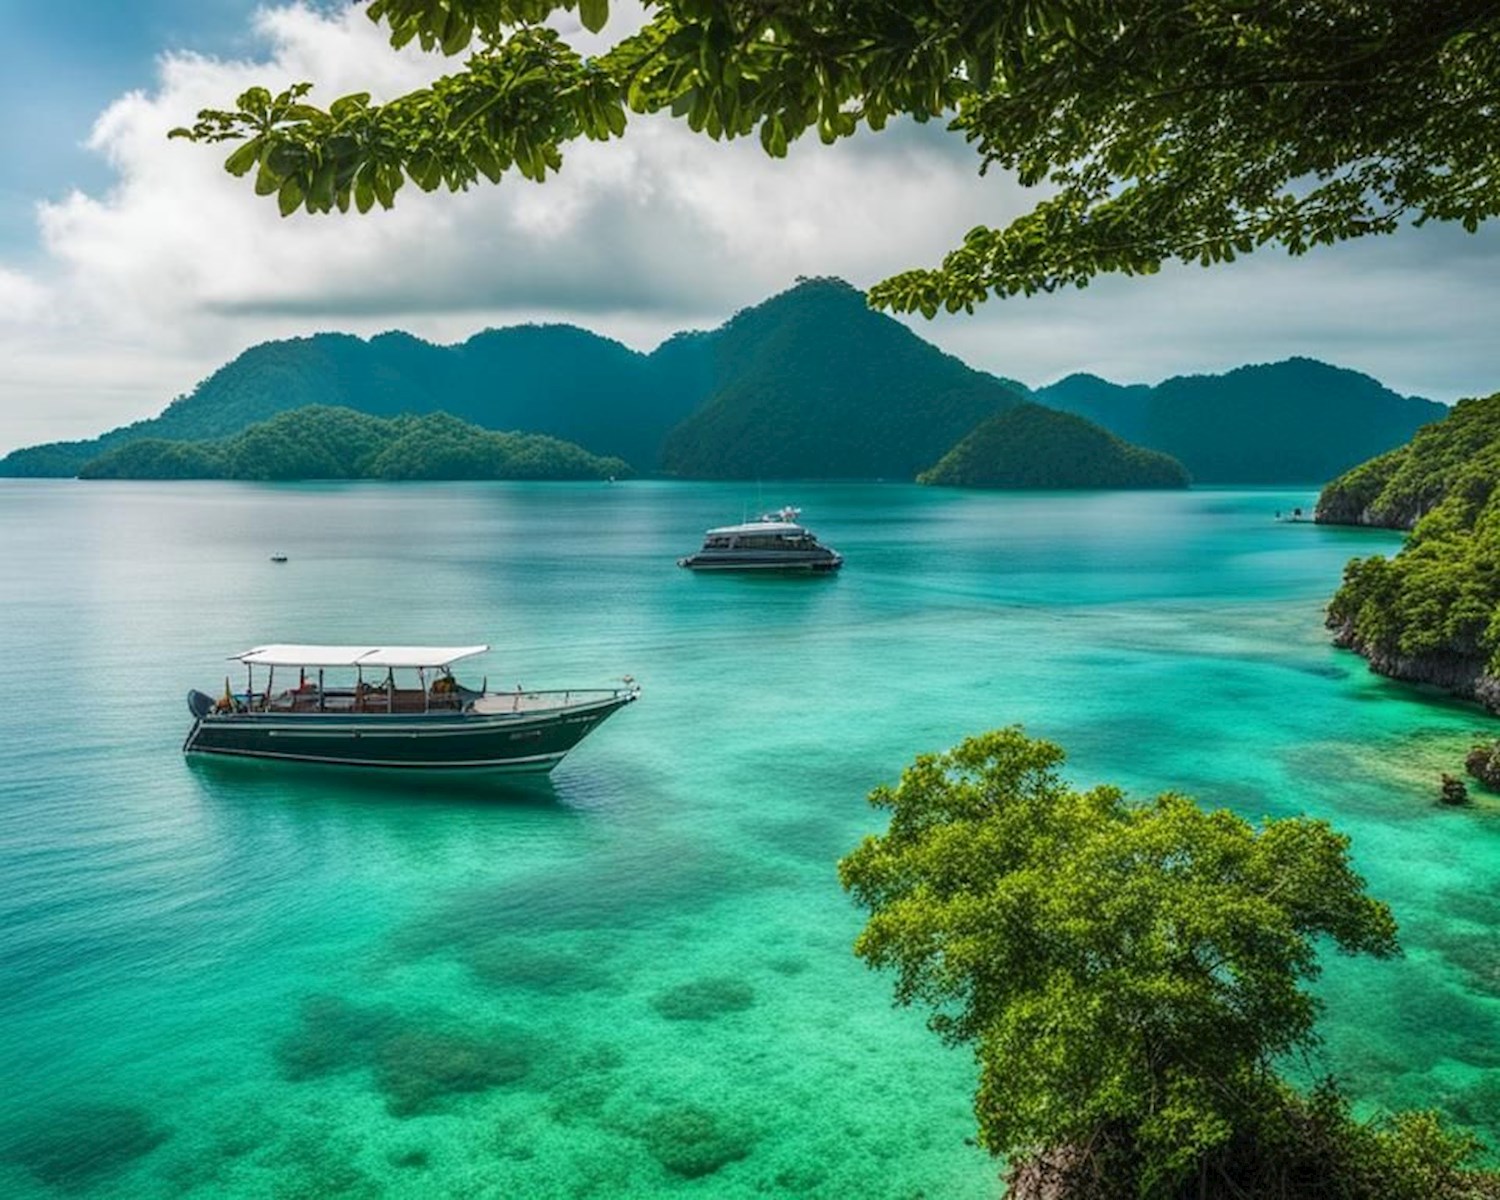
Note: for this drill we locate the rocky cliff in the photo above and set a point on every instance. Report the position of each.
(1431, 613)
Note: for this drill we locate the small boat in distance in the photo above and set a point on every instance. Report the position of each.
(278, 558)
(773, 542)
(391, 706)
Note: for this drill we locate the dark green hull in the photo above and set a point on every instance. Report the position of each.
(532, 741)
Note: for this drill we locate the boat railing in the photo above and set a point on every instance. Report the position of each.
(378, 702)
(521, 699)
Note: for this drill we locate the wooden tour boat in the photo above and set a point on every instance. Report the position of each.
(391, 706)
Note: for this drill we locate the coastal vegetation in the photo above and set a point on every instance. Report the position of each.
(1429, 613)
(323, 442)
(1129, 978)
(1034, 447)
(1298, 421)
(1162, 131)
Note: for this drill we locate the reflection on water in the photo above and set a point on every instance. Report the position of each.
(243, 780)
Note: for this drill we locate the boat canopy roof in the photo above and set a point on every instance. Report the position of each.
(782, 527)
(291, 655)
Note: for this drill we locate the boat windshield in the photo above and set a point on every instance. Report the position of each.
(776, 541)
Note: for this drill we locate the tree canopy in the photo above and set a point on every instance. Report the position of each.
(1126, 973)
(1030, 446)
(1195, 130)
(329, 442)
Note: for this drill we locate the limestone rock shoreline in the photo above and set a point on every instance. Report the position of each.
(1427, 614)
(1463, 676)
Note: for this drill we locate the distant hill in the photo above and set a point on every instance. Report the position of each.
(1296, 421)
(324, 442)
(1428, 614)
(552, 379)
(1034, 447)
(808, 384)
(813, 384)
(1119, 407)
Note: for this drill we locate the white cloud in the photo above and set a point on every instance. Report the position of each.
(148, 287)
(23, 300)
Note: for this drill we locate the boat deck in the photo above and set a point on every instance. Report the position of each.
(406, 701)
(373, 700)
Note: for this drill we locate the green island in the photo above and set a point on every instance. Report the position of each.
(1030, 446)
(816, 385)
(557, 380)
(323, 442)
(811, 383)
(1428, 614)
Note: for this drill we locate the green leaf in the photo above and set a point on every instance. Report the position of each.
(457, 33)
(346, 106)
(256, 101)
(484, 157)
(289, 196)
(320, 195)
(245, 157)
(364, 189)
(425, 169)
(266, 181)
(284, 158)
(594, 14)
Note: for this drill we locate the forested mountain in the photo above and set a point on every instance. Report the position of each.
(323, 442)
(553, 379)
(1119, 407)
(1429, 613)
(1296, 421)
(813, 384)
(1029, 446)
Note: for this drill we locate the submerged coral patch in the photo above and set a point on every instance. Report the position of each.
(506, 964)
(630, 887)
(704, 999)
(78, 1147)
(317, 1160)
(417, 1069)
(411, 1160)
(693, 1142)
(332, 1035)
(1474, 952)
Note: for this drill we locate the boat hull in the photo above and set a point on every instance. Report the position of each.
(521, 742)
(769, 561)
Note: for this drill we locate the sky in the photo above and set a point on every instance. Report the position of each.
(132, 266)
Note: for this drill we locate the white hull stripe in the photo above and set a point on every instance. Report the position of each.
(534, 762)
(317, 725)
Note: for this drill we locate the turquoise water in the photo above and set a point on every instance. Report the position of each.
(222, 979)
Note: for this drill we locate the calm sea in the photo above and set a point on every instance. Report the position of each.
(634, 979)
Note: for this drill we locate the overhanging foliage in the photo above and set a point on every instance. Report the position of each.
(1194, 130)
